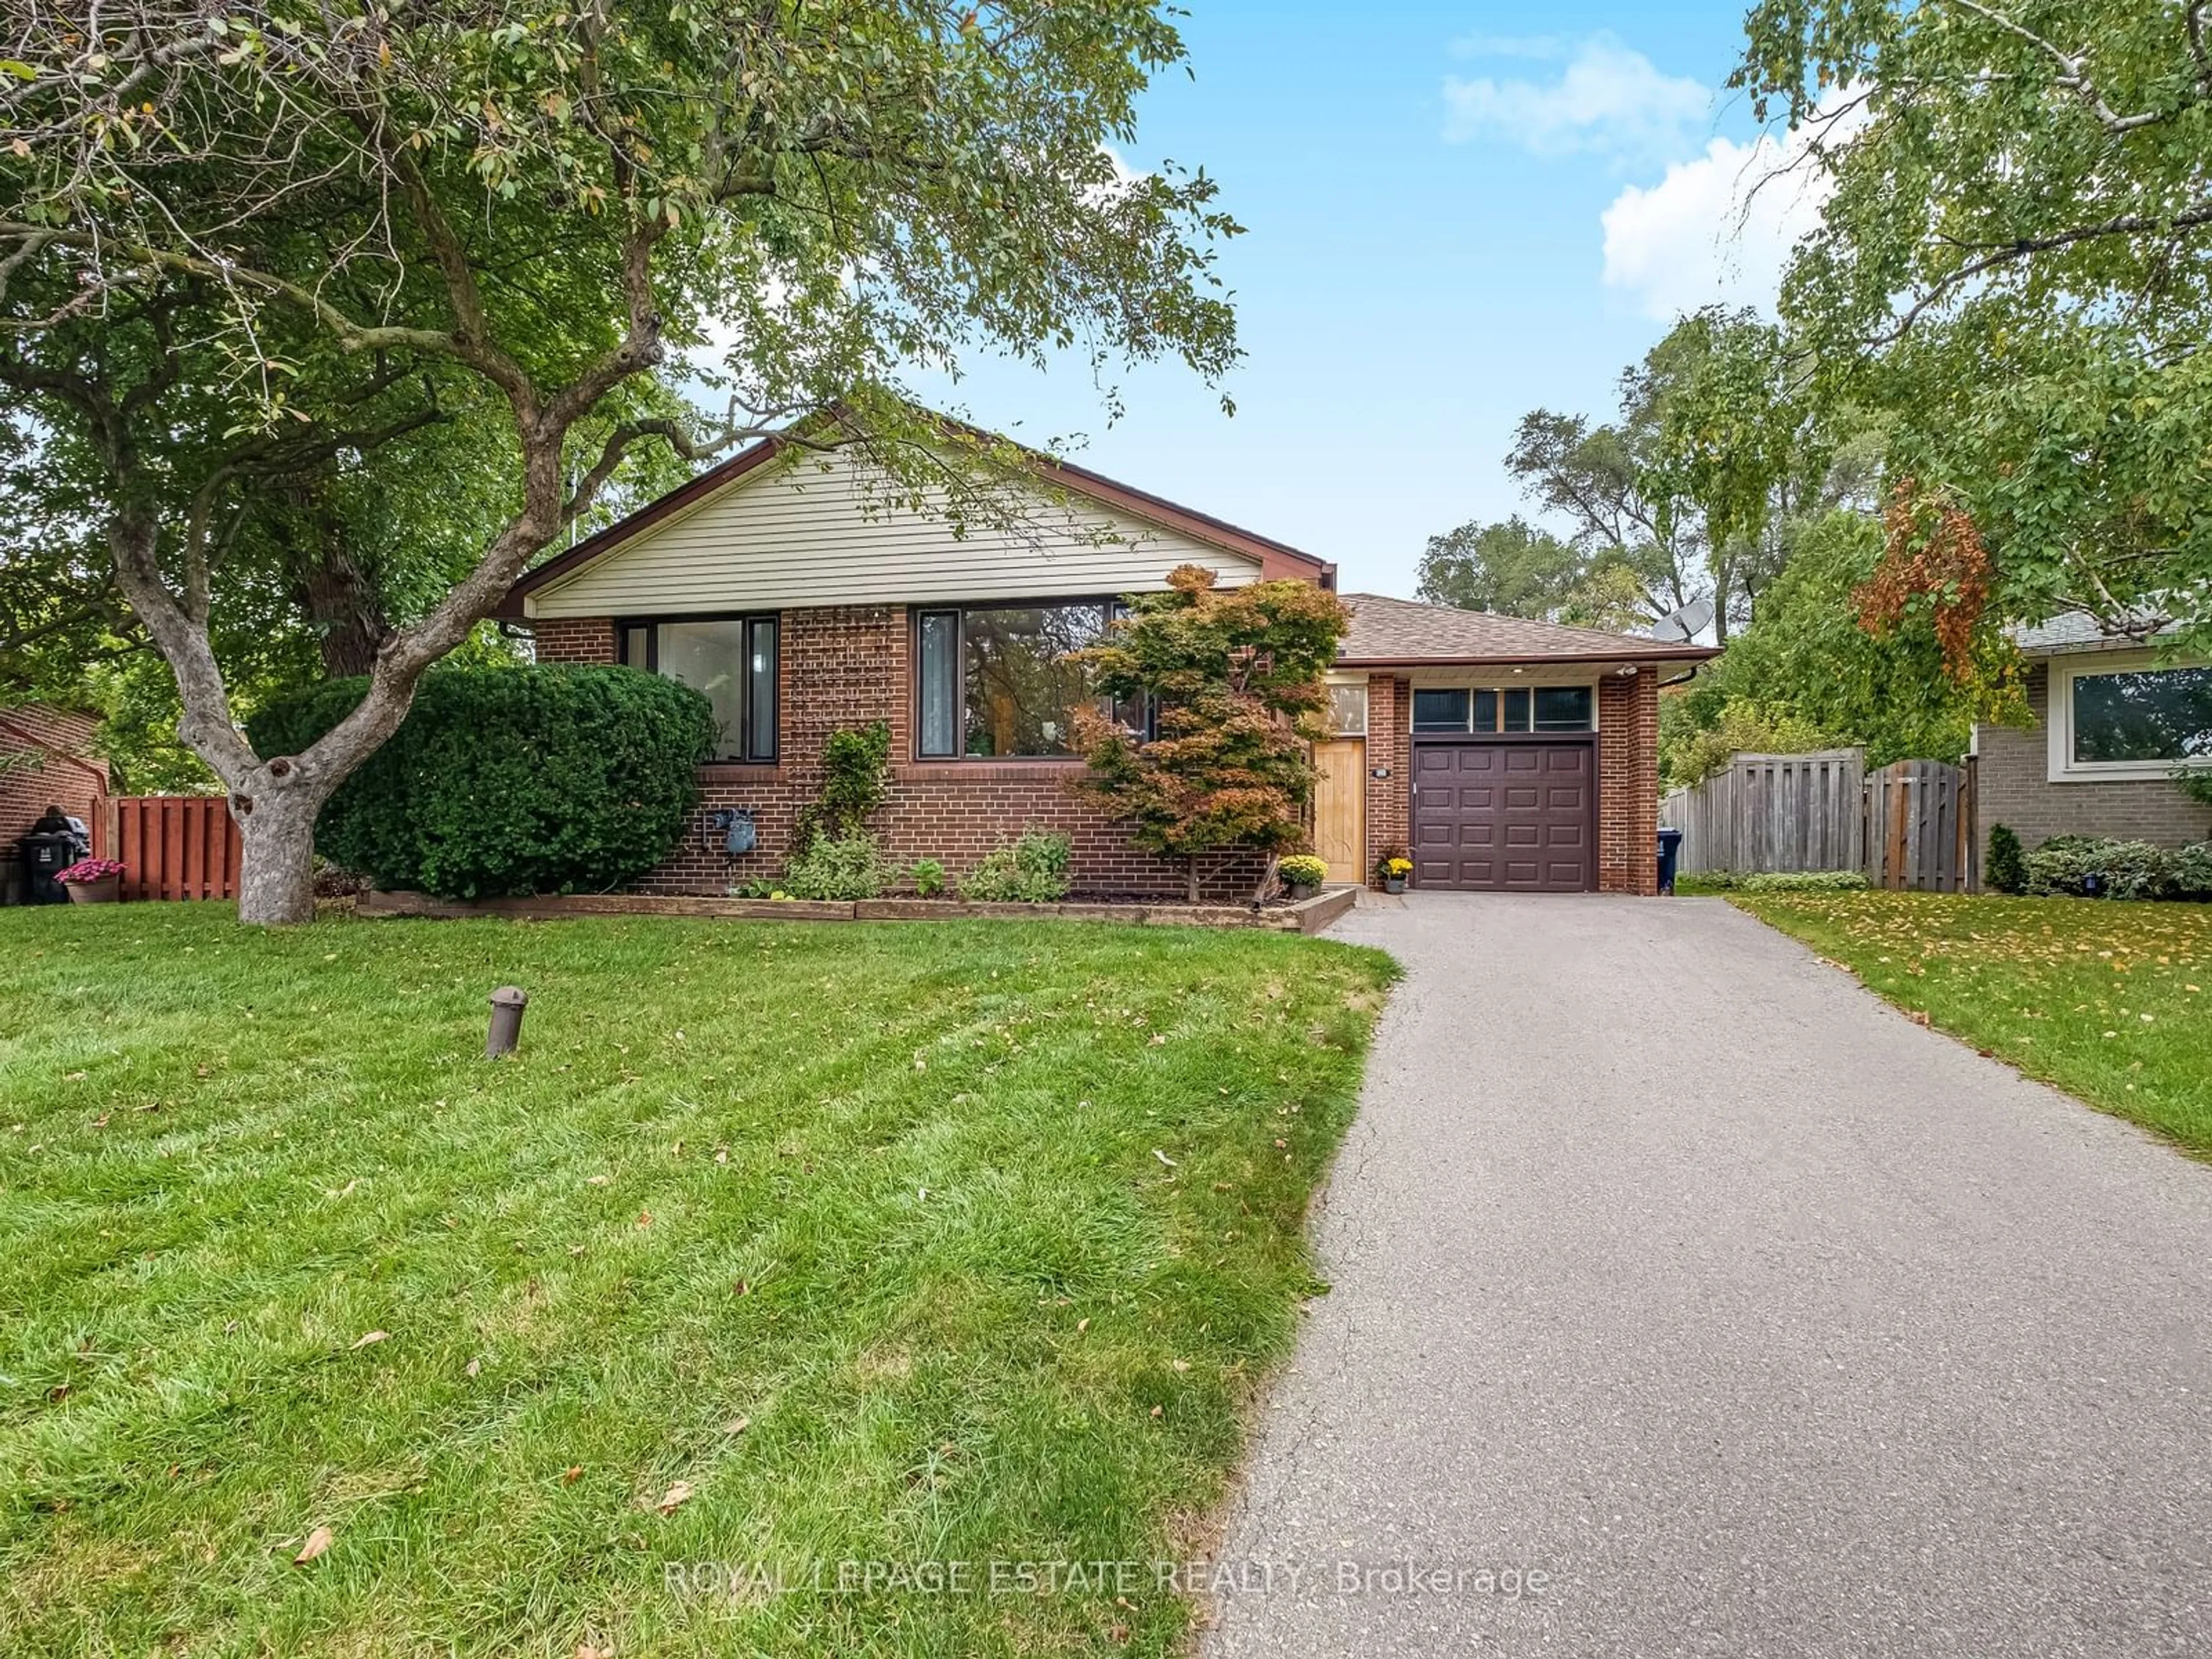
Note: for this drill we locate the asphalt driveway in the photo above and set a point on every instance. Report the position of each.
(1672, 1267)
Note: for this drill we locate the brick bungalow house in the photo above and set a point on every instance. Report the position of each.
(1508, 753)
(2112, 720)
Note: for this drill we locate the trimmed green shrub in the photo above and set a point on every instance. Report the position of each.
(2005, 866)
(928, 875)
(509, 781)
(2192, 871)
(1031, 870)
(1804, 881)
(844, 867)
(2068, 867)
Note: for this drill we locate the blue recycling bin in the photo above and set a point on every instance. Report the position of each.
(1670, 847)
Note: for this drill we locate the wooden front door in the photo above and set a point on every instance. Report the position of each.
(1340, 807)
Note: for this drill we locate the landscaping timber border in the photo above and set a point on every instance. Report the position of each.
(1305, 916)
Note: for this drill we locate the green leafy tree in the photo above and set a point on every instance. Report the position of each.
(1729, 439)
(1807, 657)
(1596, 479)
(1510, 568)
(1235, 676)
(1689, 751)
(239, 247)
(2013, 263)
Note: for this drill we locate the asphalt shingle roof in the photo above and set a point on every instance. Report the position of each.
(1387, 630)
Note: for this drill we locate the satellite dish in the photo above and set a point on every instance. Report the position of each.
(1685, 624)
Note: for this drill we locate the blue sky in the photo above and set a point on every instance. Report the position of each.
(1426, 190)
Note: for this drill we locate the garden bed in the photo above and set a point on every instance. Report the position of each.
(1296, 916)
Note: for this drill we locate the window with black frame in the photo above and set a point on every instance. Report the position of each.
(1513, 710)
(996, 682)
(730, 660)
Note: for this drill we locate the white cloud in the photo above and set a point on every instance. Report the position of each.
(1609, 97)
(1719, 229)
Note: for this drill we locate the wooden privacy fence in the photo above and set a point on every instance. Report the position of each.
(1772, 812)
(171, 847)
(1910, 823)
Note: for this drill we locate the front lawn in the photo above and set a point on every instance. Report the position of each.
(2108, 1000)
(777, 1248)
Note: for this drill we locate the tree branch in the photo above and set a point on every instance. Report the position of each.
(2004, 253)
(2074, 72)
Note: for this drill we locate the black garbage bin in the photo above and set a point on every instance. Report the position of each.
(44, 855)
(1670, 846)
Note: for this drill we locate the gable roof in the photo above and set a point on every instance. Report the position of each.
(1388, 633)
(1276, 559)
(2076, 630)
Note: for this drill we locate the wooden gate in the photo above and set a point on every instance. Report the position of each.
(171, 847)
(1920, 828)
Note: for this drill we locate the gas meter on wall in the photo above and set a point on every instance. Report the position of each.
(736, 827)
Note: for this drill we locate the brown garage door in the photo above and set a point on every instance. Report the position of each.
(1504, 817)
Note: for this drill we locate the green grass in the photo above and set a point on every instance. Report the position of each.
(944, 1243)
(2112, 1002)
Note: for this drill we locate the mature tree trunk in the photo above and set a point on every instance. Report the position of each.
(339, 597)
(1267, 878)
(277, 876)
(1190, 877)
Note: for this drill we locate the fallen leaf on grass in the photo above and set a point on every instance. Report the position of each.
(1163, 1158)
(318, 1541)
(674, 1497)
(1081, 1326)
(1182, 1364)
(736, 1426)
(572, 1474)
(372, 1336)
(475, 1365)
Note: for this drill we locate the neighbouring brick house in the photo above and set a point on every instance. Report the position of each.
(2112, 719)
(785, 588)
(46, 760)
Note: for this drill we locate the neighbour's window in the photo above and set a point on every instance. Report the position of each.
(995, 681)
(1513, 708)
(2150, 714)
(730, 660)
(1348, 711)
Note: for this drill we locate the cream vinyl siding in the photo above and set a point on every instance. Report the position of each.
(794, 534)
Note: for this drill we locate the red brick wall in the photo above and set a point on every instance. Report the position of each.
(1389, 746)
(841, 668)
(65, 776)
(579, 638)
(1628, 783)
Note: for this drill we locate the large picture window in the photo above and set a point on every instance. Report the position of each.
(1511, 709)
(2131, 717)
(995, 681)
(730, 660)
